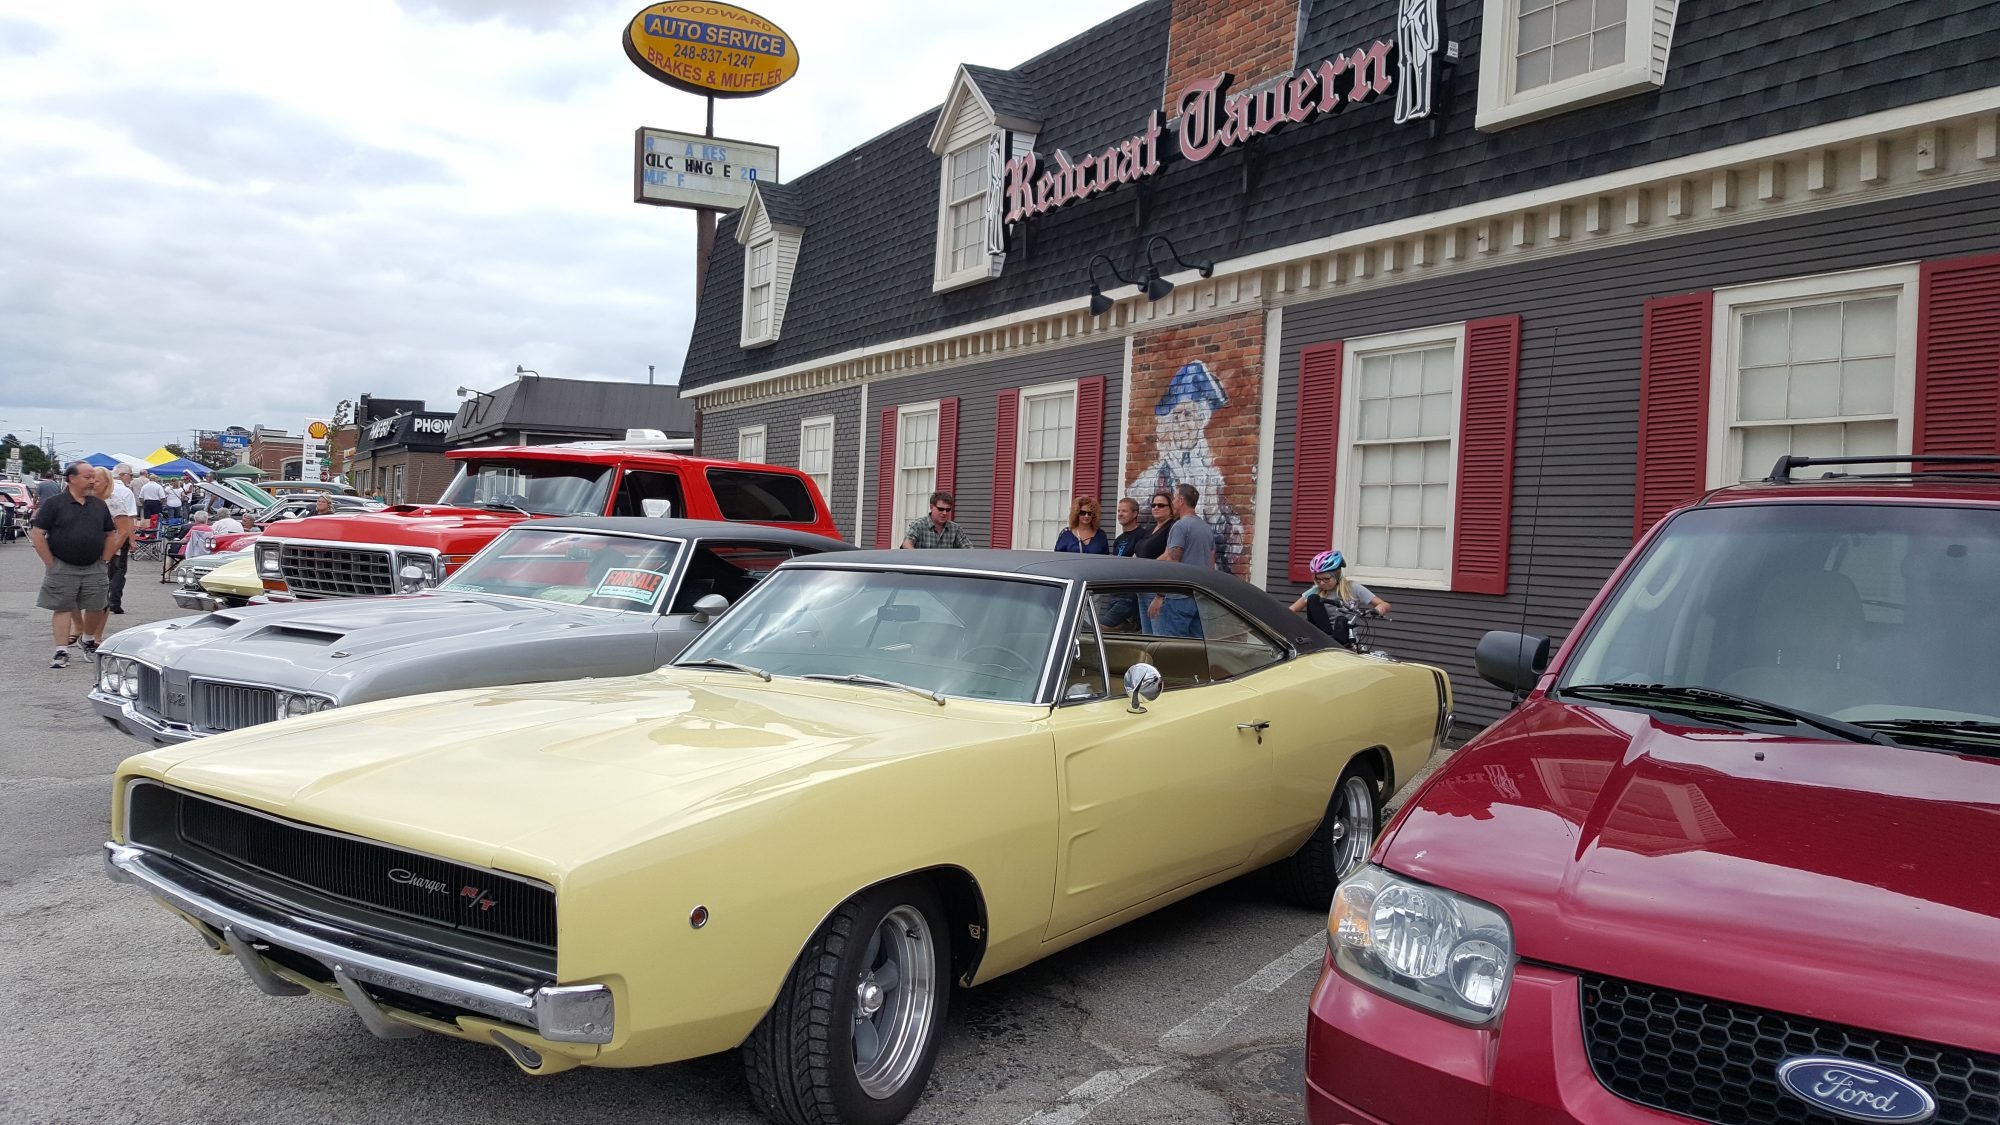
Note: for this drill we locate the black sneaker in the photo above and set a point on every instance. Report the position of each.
(61, 659)
(90, 649)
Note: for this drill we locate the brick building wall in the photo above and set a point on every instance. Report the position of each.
(1251, 39)
(1197, 394)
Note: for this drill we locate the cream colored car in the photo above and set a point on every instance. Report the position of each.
(879, 774)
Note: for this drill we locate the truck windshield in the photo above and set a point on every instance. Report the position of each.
(539, 488)
(1870, 614)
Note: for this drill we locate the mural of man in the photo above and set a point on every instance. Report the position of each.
(1180, 442)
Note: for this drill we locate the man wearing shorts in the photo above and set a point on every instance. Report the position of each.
(75, 536)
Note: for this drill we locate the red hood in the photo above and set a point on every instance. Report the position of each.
(447, 529)
(1845, 882)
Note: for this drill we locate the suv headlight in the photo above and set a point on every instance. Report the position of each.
(291, 705)
(267, 561)
(1429, 947)
(415, 572)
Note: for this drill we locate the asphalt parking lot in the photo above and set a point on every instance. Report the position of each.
(111, 1010)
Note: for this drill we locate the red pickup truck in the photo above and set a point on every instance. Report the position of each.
(412, 545)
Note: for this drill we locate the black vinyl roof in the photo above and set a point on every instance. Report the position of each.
(691, 529)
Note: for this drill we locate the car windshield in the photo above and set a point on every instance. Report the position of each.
(1870, 614)
(954, 634)
(572, 567)
(540, 488)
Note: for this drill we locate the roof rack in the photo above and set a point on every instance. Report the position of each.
(1781, 473)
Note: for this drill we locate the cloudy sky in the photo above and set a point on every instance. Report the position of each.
(219, 214)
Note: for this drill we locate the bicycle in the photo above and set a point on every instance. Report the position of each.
(1351, 629)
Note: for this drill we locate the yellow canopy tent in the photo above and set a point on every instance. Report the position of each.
(161, 456)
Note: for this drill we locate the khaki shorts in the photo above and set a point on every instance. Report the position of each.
(67, 586)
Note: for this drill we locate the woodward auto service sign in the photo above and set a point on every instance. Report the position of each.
(689, 170)
(715, 49)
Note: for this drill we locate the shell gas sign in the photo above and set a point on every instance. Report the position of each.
(718, 50)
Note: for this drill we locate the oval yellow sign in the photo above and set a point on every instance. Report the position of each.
(715, 49)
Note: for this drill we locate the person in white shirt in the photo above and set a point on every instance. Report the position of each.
(152, 496)
(125, 513)
(228, 524)
(173, 501)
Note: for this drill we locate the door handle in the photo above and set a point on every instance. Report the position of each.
(1257, 728)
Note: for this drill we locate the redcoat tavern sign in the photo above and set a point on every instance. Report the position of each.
(1213, 120)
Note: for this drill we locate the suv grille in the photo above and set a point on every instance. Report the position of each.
(337, 572)
(1718, 1062)
(388, 883)
(223, 707)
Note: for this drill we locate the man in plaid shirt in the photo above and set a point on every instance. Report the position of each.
(938, 528)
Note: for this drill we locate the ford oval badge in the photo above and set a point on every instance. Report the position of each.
(1856, 1091)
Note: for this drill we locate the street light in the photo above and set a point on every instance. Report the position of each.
(519, 370)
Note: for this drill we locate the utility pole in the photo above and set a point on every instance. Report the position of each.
(649, 374)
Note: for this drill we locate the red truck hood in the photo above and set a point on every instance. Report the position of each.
(1844, 882)
(452, 530)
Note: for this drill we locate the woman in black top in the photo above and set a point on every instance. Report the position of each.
(1155, 544)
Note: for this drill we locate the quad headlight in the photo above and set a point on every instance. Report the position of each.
(291, 705)
(118, 676)
(1426, 946)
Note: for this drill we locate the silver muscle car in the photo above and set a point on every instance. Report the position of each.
(548, 600)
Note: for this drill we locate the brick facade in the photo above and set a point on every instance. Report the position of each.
(1197, 394)
(1251, 39)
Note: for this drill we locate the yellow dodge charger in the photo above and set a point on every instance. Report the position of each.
(877, 775)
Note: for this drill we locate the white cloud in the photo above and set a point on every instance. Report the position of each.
(233, 213)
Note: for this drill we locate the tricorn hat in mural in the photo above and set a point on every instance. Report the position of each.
(1193, 383)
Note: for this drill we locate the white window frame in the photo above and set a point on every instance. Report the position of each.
(821, 478)
(905, 515)
(1644, 68)
(746, 435)
(987, 266)
(753, 333)
(1020, 516)
(1899, 281)
(1346, 504)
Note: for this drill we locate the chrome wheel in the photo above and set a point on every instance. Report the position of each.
(894, 997)
(1353, 825)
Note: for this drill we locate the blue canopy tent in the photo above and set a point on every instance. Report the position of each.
(101, 460)
(180, 465)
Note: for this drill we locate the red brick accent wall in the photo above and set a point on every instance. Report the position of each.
(1207, 434)
(1251, 39)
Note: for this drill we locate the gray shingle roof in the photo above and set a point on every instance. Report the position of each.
(1010, 94)
(783, 204)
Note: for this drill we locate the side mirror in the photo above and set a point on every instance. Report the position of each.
(657, 508)
(708, 607)
(413, 577)
(1142, 681)
(1514, 661)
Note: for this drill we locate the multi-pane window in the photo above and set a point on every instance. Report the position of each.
(1047, 465)
(750, 444)
(916, 461)
(816, 453)
(757, 304)
(1400, 459)
(965, 207)
(1556, 40)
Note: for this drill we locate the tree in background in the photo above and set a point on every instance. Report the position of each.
(213, 458)
(33, 459)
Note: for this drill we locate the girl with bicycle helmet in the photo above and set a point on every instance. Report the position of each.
(1334, 599)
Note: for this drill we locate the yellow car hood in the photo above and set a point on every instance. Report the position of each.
(236, 578)
(537, 779)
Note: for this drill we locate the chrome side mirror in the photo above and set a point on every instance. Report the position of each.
(708, 607)
(1142, 681)
(656, 507)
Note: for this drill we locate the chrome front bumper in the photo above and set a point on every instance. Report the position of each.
(558, 1013)
(198, 600)
(124, 715)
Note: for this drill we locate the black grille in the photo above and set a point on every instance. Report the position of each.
(148, 700)
(223, 707)
(1718, 1062)
(337, 572)
(383, 879)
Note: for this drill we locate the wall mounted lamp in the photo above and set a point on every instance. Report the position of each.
(1157, 286)
(1099, 303)
(519, 370)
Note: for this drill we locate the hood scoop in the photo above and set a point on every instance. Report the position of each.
(303, 634)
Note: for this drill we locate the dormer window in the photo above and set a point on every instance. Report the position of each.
(968, 216)
(988, 118)
(770, 230)
(1539, 58)
(757, 301)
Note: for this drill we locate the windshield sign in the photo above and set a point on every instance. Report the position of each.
(1873, 616)
(573, 568)
(537, 488)
(956, 635)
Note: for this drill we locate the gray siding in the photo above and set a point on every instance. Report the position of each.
(781, 440)
(1578, 410)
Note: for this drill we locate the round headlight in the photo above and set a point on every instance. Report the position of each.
(1479, 972)
(293, 706)
(109, 677)
(130, 687)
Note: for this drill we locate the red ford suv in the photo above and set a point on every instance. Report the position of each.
(1731, 860)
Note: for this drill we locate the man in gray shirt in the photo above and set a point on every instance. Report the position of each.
(1190, 541)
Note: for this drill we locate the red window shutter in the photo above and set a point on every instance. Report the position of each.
(947, 446)
(885, 482)
(1088, 468)
(1484, 504)
(1673, 406)
(1958, 356)
(1317, 438)
(1006, 431)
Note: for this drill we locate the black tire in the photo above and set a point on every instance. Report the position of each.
(800, 1061)
(1308, 876)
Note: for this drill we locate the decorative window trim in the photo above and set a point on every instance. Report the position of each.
(756, 435)
(1021, 490)
(753, 335)
(1899, 281)
(756, 233)
(823, 480)
(1649, 34)
(1346, 508)
(904, 413)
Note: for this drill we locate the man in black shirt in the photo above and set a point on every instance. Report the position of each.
(74, 534)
